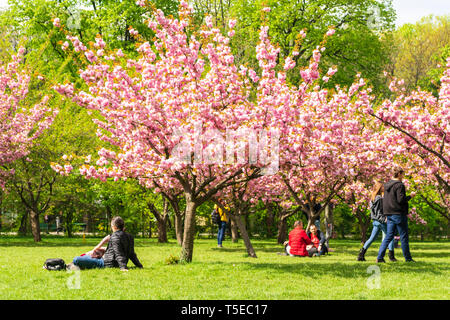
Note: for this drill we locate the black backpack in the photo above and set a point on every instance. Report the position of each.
(54, 264)
(376, 210)
(215, 216)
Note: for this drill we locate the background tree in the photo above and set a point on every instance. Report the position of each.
(414, 49)
(357, 46)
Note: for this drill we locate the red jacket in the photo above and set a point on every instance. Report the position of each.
(298, 240)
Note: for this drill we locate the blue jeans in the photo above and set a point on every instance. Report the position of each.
(377, 227)
(399, 222)
(87, 262)
(221, 233)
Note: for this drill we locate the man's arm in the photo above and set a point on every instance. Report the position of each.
(104, 240)
(400, 193)
(133, 256)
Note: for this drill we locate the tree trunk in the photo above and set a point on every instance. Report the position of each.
(328, 224)
(35, 228)
(269, 219)
(363, 225)
(311, 221)
(150, 228)
(23, 229)
(69, 220)
(143, 224)
(161, 218)
(178, 222)
(108, 218)
(363, 234)
(243, 230)
(187, 248)
(234, 231)
(87, 219)
(282, 230)
(162, 230)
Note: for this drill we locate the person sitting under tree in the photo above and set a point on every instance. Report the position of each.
(120, 249)
(298, 240)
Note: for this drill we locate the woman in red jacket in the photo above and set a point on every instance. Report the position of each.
(298, 240)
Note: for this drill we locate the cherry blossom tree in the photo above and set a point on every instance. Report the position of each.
(22, 121)
(422, 123)
(166, 112)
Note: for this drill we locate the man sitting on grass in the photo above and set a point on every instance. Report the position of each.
(120, 249)
(298, 240)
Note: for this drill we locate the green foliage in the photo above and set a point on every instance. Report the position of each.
(418, 48)
(356, 46)
(172, 260)
(432, 80)
(344, 221)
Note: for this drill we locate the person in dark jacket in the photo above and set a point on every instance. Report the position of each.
(379, 221)
(120, 249)
(395, 207)
(318, 239)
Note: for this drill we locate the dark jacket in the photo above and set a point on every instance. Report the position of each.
(376, 210)
(395, 200)
(120, 249)
(319, 235)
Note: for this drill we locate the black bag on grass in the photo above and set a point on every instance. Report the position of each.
(54, 264)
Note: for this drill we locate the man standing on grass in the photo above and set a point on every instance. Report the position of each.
(395, 207)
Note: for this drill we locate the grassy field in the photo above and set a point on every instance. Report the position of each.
(225, 273)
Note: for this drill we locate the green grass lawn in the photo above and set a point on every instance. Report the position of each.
(225, 273)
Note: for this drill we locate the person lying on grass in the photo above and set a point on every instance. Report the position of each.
(120, 249)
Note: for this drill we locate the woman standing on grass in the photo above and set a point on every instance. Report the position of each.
(379, 221)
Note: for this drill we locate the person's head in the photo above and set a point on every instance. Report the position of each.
(298, 223)
(398, 173)
(117, 223)
(313, 229)
(377, 190)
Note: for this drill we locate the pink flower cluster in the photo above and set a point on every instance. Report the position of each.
(19, 125)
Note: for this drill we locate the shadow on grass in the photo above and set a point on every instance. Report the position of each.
(307, 267)
(418, 250)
